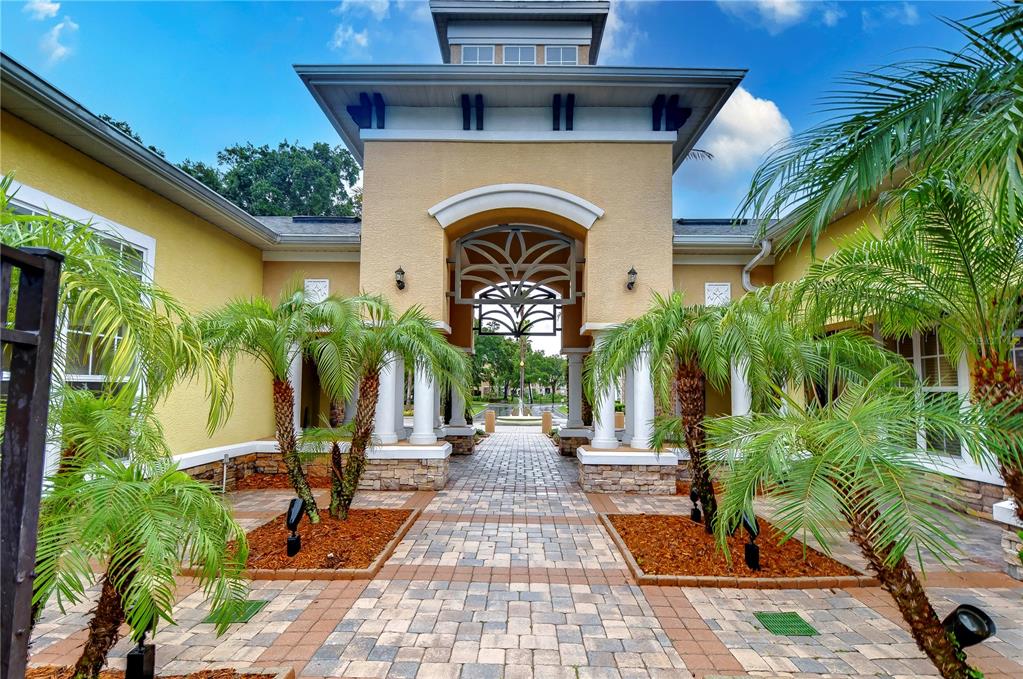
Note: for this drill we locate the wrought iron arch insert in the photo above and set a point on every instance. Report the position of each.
(538, 318)
(515, 262)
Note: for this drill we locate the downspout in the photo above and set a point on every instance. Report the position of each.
(765, 250)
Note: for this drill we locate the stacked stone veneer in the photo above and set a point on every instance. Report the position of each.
(570, 444)
(1011, 546)
(462, 445)
(627, 478)
(412, 474)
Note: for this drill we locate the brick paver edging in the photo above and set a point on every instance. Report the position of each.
(841, 581)
(367, 573)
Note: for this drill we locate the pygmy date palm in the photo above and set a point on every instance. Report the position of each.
(956, 112)
(851, 466)
(141, 518)
(945, 260)
(277, 336)
(385, 337)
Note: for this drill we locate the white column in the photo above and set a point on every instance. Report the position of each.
(630, 407)
(457, 408)
(295, 377)
(383, 421)
(643, 403)
(423, 409)
(399, 398)
(604, 417)
(575, 390)
(742, 397)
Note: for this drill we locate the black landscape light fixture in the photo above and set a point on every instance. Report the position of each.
(631, 282)
(295, 511)
(752, 555)
(141, 661)
(399, 278)
(694, 513)
(969, 625)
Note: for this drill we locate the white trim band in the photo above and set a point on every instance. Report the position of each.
(626, 458)
(522, 196)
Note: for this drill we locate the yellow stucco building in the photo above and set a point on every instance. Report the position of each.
(517, 172)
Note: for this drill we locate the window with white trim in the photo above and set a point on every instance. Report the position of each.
(519, 55)
(477, 54)
(561, 55)
(941, 377)
(84, 367)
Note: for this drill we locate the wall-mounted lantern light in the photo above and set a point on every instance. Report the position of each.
(399, 278)
(631, 278)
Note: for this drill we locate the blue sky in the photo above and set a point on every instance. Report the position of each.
(193, 77)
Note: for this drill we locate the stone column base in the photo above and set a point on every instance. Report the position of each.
(461, 444)
(1005, 513)
(405, 475)
(633, 478)
(568, 445)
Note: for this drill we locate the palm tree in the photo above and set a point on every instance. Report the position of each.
(851, 464)
(145, 340)
(142, 518)
(276, 336)
(960, 113)
(384, 337)
(945, 261)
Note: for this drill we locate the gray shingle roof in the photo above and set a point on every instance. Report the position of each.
(715, 227)
(342, 227)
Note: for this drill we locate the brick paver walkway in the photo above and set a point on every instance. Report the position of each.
(508, 574)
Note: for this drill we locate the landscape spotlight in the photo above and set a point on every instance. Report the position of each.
(694, 513)
(294, 515)
(631, 283)
(141, 661)
(399, 278)
(752, 551)
(969, 625)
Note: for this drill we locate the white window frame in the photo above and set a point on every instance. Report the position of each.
(477, 62)
(30, 198)
(518, 62)
(561, 62)
(962, 466)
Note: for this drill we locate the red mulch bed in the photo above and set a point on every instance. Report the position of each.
(277, 482)
(676, 545)
(331, 543)
(53, 672)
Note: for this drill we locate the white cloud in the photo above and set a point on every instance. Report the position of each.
(742, 132)
(904, 13)
(51, 42)
(621, 34)
(777, 15)
(346, 37)
(41, 9)
(378, 9)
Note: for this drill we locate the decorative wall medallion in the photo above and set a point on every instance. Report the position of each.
(317, 289)
(717, 294)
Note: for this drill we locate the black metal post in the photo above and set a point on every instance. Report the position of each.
(21, 470)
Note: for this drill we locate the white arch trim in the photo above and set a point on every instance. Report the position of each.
(530, 196)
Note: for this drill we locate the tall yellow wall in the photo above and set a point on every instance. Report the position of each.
(343, 276)
(690, 279)
(199, 263)
(631, 182)
(791, 264)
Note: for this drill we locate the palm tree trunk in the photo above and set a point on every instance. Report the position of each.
(900, 580)
(365, 412)
(690, 384)
(995, 382)
(284, 421)
(104, 631)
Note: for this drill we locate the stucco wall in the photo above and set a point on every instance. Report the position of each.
(199, 263)
(631, 182)
(343, 276)
(689, 279)
(793, 262)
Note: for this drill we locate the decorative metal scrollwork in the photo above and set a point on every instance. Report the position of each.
(512, 262)
(539, 318)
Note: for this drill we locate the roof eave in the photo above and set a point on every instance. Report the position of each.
(69, 121)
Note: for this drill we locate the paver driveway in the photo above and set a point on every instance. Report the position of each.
(508, 574)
